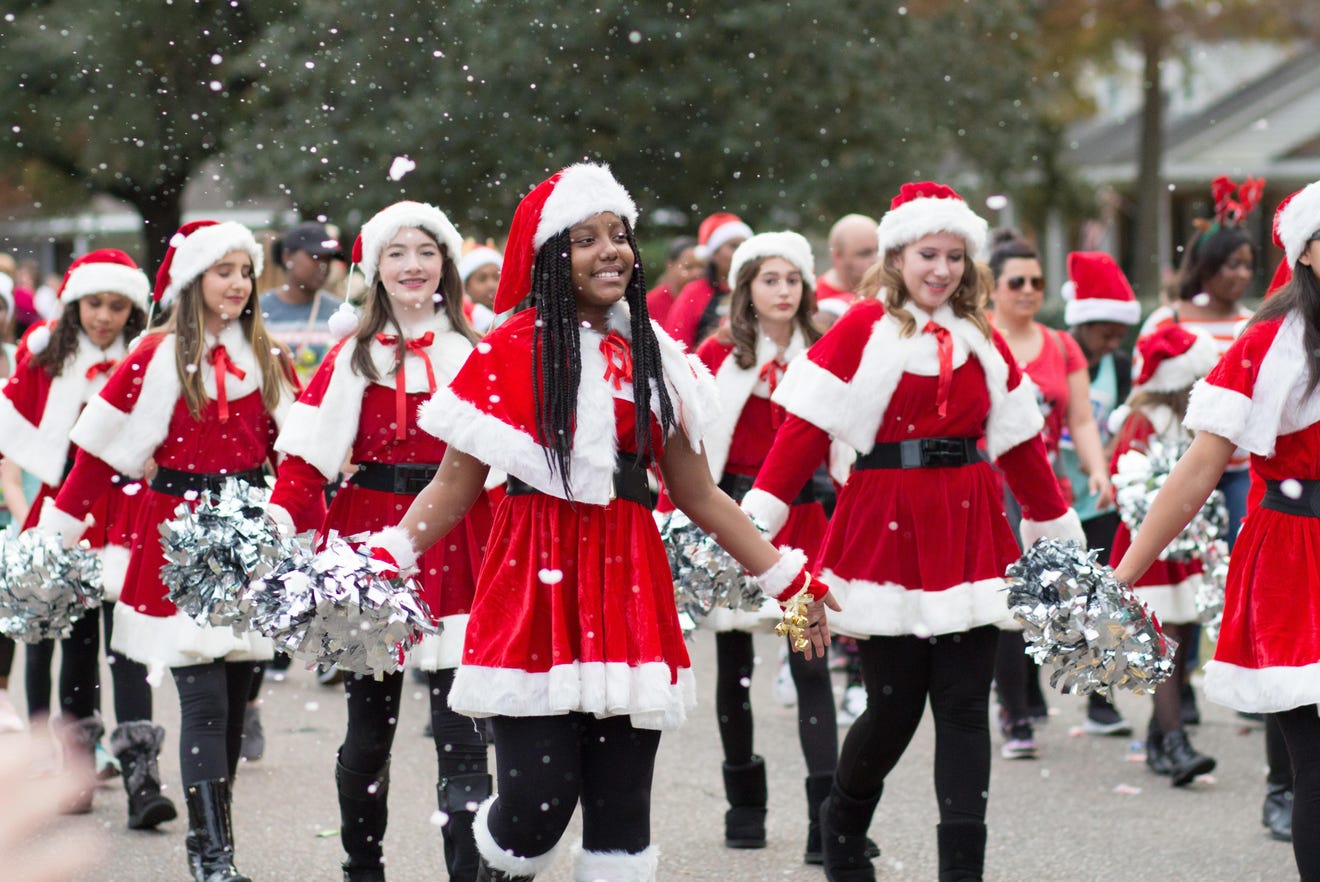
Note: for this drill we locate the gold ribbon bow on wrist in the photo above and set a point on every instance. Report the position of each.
(795, 622)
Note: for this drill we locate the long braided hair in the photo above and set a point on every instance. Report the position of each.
(557, 353)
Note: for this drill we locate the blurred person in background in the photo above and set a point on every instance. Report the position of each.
(703, 304)
(854, 249)
(682, 266)
(479, 269)
(296, 311)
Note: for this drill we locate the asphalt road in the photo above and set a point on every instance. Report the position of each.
(1086, 810)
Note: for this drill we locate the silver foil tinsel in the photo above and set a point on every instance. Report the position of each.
(214, 550)
(339, 607)
(1094, 631)
(705, 575)
(1210, 594)
(1141, 474)
(44, 587)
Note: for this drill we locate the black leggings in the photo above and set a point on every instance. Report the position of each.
(547, 764)
(211, 701)
(80, 673)
(954, 671)
(6, 657)
(1301, 729)
(373, 717)
(818, 730)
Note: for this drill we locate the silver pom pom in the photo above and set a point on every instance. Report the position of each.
(214, 550)
(1141, 474)
(1210, 594)
(44, 587)
(1096, 632)
(339, 607)
(705, 575)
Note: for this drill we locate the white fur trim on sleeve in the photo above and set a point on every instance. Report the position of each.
(1223, 412)
(280, 515)
(1065, 526)
(767, 508)
(57, 522)
(502, 859)
(1013, 419)
(776, 580)
(126, 439)
(813, 393)
(398, 543)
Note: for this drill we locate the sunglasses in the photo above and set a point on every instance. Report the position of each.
(1016, 283)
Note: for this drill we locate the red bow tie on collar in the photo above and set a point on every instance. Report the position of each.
(101, 367)
(944, 345)
(417, 346)
(618, 359)
(220, 361)
(772, 372)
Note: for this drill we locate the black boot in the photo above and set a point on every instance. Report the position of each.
(744, 822)
(79, 738)
(458, 796)
(486, 873)
(962, 850)
(363, 814)
(137, 744)
(1184, 762)
(210, 840)
(843, 825)
(1276, 814)
(1155, 758)
(818, 787)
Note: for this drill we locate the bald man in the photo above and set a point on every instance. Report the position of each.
(854, 248)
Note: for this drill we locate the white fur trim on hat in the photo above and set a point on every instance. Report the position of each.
(1101, 309)
(921, 217)
(1180, 372)
(726, 232)
(582, 191)
(791, 246)
(377, 232)
(1299, 221)
(113, 278)
(476, 259)
(194, 254)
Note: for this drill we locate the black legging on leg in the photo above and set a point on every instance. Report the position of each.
(373, 718)
(1011, 672)
(80, 673)
(6, 657)
(954, 670)
(460, 743)
(547, 764)
(211, 701)
(1301, 730)
(1280, 770)
(129, 677)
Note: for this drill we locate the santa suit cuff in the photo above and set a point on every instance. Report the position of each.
(767, 510)
(56, 522)
(280, 515)
(396, 542)
(781, 580)
(1066, 526)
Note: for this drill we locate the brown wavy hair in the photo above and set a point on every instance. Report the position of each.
(743, 325)
(64, 337)
(883, 281)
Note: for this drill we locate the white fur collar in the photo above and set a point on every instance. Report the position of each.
(735, 386)
(447, 353)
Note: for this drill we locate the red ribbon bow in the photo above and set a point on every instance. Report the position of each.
(618, 359)
(417, 346)
(220, 361)
(772, 372)
(944, 344)
(101, 367)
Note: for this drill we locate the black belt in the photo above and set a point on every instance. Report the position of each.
(736, 486)
(405, 479)
(629, 483)
(177, 483)
(921, 453)
(1306, 504)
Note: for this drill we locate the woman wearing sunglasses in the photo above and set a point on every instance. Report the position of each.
(1057, 366)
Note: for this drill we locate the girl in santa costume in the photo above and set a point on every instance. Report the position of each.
(1172, 359)
(363, 402)
(574, 646)
(61, 365)
(914, 378)
(769, 324)
(703, 304)
(201, 398)
(479, 271)
(1261, 397)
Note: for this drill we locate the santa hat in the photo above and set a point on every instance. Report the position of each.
(567, 197)
(1282, 272)
(1297, 220)
(386, 223)
(106, 270)
(788, 245)
(482, 255)
(717, 230)
(924, 208)
(194, 248)
(1097, 291)
(1174, 357)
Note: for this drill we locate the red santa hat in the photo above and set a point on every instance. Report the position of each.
(106, 270)
(482, 255)
(1282, 272)
(385, 225)
(926, 207)
(567, 197)
(1173, 357)
(194, 248)
(1097, 291)
(788, 245)
(1297, 221)
(717, 230)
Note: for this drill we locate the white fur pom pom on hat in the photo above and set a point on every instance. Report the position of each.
(343, 321)
(38, 339)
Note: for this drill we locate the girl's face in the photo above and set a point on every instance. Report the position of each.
(1020, 288)
(602, 263)
(1098, 339)
(931, 268)
(1311, 257)
(228, 286)
(1230, 283)
(776, 291)
(411, 267)
(723, 258)
(482, 284)
(103, 316)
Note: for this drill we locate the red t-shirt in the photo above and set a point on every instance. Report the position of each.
(1059, 356)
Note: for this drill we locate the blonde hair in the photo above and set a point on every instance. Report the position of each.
(884, 281)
